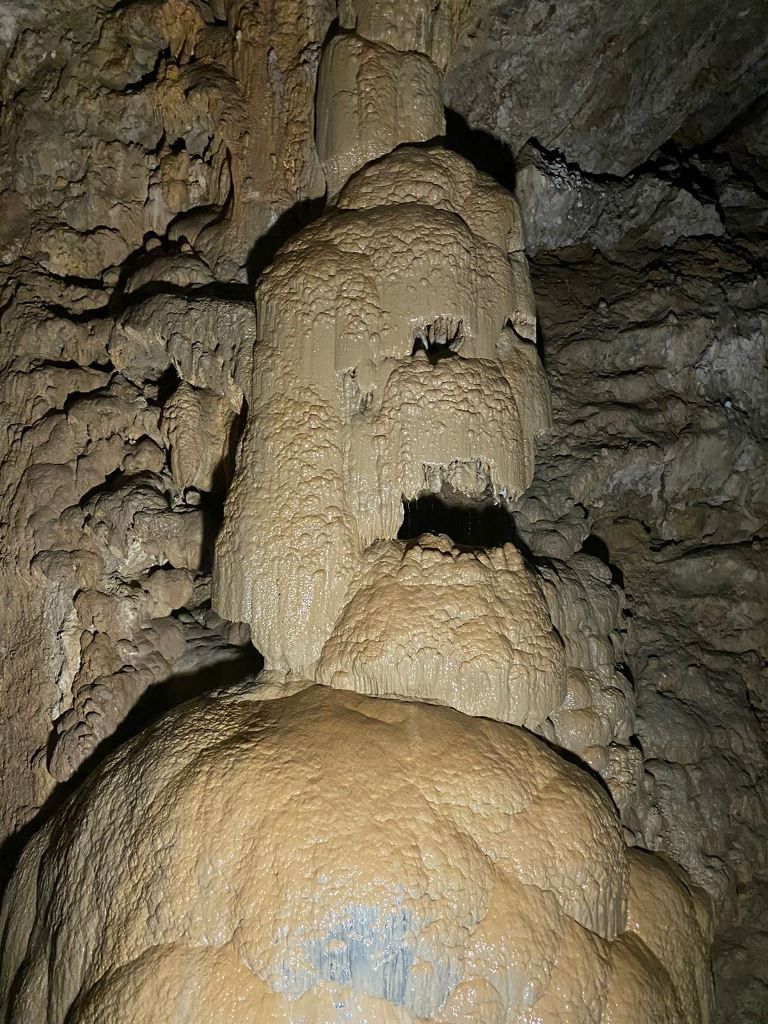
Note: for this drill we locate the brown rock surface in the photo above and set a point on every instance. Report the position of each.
(339, 857)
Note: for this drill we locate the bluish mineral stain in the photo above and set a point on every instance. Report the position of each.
(367, 949)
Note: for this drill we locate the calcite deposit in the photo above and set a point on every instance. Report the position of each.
(384, 369)
(329, 856)
(431, 622)
(507, 760)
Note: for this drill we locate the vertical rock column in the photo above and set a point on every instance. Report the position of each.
(300, 853)
(379, 83)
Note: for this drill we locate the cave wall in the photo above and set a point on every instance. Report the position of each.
(155, 155)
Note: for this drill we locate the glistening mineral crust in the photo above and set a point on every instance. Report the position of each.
(333, 857)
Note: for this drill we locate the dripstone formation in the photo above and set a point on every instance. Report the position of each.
(370, 830)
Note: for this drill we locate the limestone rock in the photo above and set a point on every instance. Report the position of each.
(371, 98)
(208, 342)
(562, 207)
(200, 427)
(602, 84)
(156, 119)
(248, 826)
(424, 26)
(433, 623)
(662, 456)
(385, 368)
(444, 180)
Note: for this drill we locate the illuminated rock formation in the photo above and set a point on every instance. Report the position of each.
(328, 856)
(469, 629)
(304, 854)
(392, 361)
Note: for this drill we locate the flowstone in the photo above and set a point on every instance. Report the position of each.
(332, 857)
(391, 362)
(306, 854)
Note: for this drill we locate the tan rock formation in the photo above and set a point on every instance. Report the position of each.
(199, 426)
(446, 181)
(430, 622)
(383, 370)
(370, 99)
(329, 856)
(284, 851)
(424, 26)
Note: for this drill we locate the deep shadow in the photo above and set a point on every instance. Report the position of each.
(574, 759)
(469, 526)
(212, 507)
(288, 224)
(597, 547)
(485, 151)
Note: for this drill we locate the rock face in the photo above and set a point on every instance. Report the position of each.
(409, 895)
(371, 388)
(465, 628)
(399, 524)
(153, 146)
(666, 449)
(562, 208)
(607, 85)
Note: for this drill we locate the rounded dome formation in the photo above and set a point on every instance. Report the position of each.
(330, 857)
(433, 622)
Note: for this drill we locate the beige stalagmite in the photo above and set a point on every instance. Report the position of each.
(383, 369)
(333, 857)
(469, 629)
(680, 937)
(446, 181)
(426, 26)
(371, 98)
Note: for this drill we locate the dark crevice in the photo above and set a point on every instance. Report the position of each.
(285, 227)
(597, 548)
(469, 526)
(578, 762)
(84, 317)
(103, 488)
(485, 151)
(167, 383)
(105, 366)
(212, 507)
(224, 290)
(440, 339)
(150, 77)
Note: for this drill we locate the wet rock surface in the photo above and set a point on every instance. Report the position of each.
(148, 150)
(154, 156)
(608, 85)
(657, 365)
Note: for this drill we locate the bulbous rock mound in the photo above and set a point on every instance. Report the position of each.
(432, 622)
(328, 857)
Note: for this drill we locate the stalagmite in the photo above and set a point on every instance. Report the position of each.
(297, 852)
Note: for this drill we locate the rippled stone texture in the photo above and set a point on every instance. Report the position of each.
(329, 856)
(390, 363)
